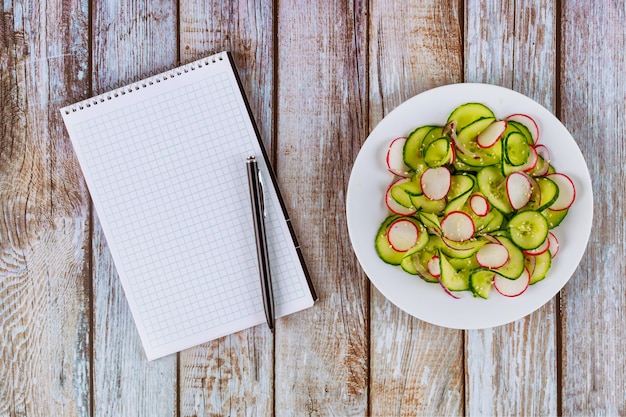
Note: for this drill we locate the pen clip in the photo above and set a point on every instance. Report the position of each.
(262, 194)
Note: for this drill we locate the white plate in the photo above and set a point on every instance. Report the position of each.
(366, 209)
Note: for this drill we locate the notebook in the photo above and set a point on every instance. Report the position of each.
(164, 162)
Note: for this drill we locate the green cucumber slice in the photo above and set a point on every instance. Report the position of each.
(514, 267)
(491, 183)
(461, 184)
(452, 279)
(523, 130)
(413, 147)
(438, 152)
(528, 229)
(516, 149)
(542, 265)
(425, 204)
(481, 282)
(387, 253)
(468, 113)
(549, 192)
(554, 218)
(432, 135)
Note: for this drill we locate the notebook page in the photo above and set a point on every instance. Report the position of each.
(165, 166)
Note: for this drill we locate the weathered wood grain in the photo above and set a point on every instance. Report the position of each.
(131, 40)
(593, 103)
(412, 47)
(513, 44)
(44, 232)
(322, 353)
(233, 375)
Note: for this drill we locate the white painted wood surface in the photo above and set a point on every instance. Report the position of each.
(318, 77)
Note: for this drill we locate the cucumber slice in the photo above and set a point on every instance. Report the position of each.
(523, 130)
(492, 184)
(432, 135)
(468, 113)
(438, 152)
(464, 263)
(514, 267)
(481, 282)
(549, 192)
(425, 204)
(516, 149)
(408, 265)
(470, 152)
(413, 147)
(452, 279)
(528, 229)
(461, 184)
(542, 264)
(554, 218)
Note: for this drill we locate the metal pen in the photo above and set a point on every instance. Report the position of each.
(258, 217)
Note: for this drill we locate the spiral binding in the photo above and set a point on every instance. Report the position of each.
(144, 83)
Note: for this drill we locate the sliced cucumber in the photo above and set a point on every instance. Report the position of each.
(542, 263)
(413, 147)
(549, 192)
(516, 149)
(432, 135)
(452, 279)
(425, 204)
(528, 229)
(514, 267)
(554, 218)
(467, 113)
(438, 152)
(384, 249)
(461, 184)
(523, 130)
(492, 184)
(481, 282)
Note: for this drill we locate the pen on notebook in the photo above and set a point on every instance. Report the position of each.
(258, 217)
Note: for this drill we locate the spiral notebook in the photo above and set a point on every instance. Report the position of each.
(164, 161)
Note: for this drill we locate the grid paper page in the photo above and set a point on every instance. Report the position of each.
(165, 166)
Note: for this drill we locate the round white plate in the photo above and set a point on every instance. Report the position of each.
(366, 209)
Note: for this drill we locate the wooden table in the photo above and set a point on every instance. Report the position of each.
(319, 78)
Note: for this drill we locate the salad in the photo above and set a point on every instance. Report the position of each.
(473, 202)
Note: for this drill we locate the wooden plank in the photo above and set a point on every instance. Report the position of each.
(592, 98)
(232, 375)
(44, 235)
(130, 40)
(511, 370)
(413, 47)
(322, 353)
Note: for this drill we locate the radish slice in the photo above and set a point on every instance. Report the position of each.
(436, 182)
(567, 191)
(539, 250)
(402, 235)
(512, 287)
(457, 226)
(527, 121)
(433, 267)
(518, 190)
(492, 255)
(554, 244)
(393, 205)
(395, 158)
(479, 205)
(490, 136)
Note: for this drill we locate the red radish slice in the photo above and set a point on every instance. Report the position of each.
(436, 182)
(479, 205)
(527, 121)
(433, 267)
(492, 255)
(531, 162)
(393, 205)
(490, 136)
(518, 189)
(539, 250)
(395, 158)
(512, 287)
(554, 244)
(457, 226)
(402, 235)
(452, 154)
(567, 191)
